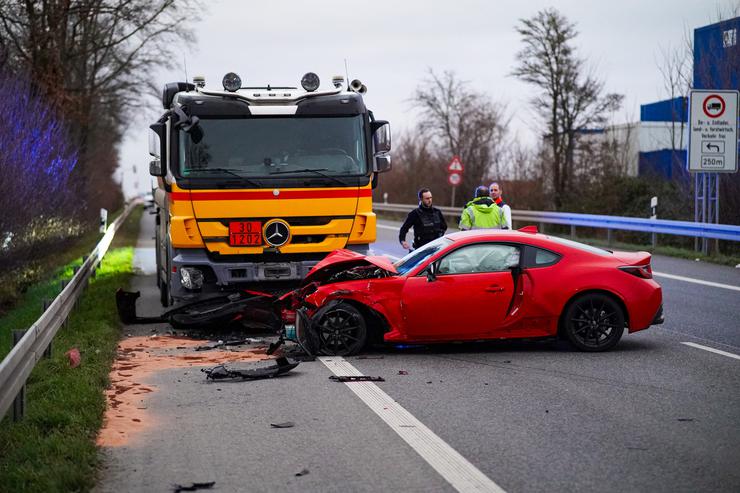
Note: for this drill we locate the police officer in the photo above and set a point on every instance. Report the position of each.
(427, 221)
(481, 212)
(495, 190)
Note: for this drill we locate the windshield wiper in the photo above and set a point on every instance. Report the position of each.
(226, 171)
(317, 171)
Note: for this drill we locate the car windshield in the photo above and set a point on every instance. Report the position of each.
(580, 246)
(276, 146)
(418, 256)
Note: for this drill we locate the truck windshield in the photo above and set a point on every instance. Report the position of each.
(279, 146)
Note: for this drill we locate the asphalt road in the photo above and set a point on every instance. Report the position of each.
(654, 414)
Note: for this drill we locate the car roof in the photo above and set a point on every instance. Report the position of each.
(556, 244)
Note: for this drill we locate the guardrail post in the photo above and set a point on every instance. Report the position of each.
(572, 231)
(19, 403)
(542, 228)
(654, 239)
(47, 303)
(609, 237)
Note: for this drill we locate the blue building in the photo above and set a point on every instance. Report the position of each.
(662, 130)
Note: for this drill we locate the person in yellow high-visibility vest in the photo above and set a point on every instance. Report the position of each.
(481, 212)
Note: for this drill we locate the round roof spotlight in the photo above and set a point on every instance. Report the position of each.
(232, 82)
(310, 82)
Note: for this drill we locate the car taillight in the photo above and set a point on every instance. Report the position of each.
(643, 271)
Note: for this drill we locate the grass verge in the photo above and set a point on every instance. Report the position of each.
(53, 447)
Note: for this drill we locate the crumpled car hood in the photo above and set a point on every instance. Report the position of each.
(347, 259)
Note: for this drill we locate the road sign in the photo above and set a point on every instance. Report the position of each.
(455, 165)
(454, 179)
(713, 131)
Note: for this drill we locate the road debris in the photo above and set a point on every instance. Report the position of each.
(356, 378)
(287, 424)
(73, 355)
(193, 486)
(302, 472)
(249, 371)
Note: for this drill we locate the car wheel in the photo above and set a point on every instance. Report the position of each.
(341, 330)
(594, 322)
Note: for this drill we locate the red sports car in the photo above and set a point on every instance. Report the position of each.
(476, 285)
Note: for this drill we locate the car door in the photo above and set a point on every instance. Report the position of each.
(467, 298)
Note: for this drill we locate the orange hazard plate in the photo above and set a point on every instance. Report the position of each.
(245, 233)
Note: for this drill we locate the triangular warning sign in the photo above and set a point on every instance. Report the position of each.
(455, 165)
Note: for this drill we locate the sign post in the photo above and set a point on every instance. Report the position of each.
(455, 169)
(713, 141)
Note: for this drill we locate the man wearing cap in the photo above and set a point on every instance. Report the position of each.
(427, 221)
(495, 190)
(481, 212)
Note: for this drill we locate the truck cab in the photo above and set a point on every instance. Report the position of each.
(255, 185)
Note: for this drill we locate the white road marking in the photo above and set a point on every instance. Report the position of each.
(710, 349)
(383, 226)
(697, 281)
(453, 467)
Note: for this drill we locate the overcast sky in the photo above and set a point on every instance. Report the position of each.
(391, 44)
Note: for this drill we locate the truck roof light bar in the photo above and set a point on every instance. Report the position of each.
(232, 82)
(310, 82)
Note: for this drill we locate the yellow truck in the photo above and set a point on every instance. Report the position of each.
(255, 185)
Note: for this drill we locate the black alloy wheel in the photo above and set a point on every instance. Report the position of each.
(341, 330)
(594, 322)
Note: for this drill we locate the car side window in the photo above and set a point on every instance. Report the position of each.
(489, 257)
(539, 257)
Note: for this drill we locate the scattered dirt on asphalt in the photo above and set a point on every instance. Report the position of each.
(139, 357)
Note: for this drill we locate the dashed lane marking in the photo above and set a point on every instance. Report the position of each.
(712, 350)
(453, 467)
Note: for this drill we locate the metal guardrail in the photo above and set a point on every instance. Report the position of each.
(662, 226)
(22, 358)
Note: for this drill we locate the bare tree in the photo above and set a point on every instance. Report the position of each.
(462, 122)
(92, 59)
(571, 99)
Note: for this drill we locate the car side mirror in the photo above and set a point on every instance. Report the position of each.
(155, 168)
(432, 272)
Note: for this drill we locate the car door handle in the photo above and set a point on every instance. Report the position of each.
(494, 288)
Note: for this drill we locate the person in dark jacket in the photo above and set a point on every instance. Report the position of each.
(427, 221)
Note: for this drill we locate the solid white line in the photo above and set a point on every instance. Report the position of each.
(697, 281)
(453, 467)
(710, 349)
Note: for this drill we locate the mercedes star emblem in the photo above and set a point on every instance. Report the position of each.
(277, 233)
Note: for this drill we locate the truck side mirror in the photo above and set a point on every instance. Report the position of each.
(381, 136)
(155, 168)
(382, 163)
(382, 143)
(158, 139)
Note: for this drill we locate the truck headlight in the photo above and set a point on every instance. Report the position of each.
(191, 278)
(232, 82)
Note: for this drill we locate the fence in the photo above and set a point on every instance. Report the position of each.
(610, 223)
(36, 341)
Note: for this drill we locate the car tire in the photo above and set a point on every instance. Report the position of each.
(341, 330)
(594, 322)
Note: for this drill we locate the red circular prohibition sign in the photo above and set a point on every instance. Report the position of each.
(707, 108)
